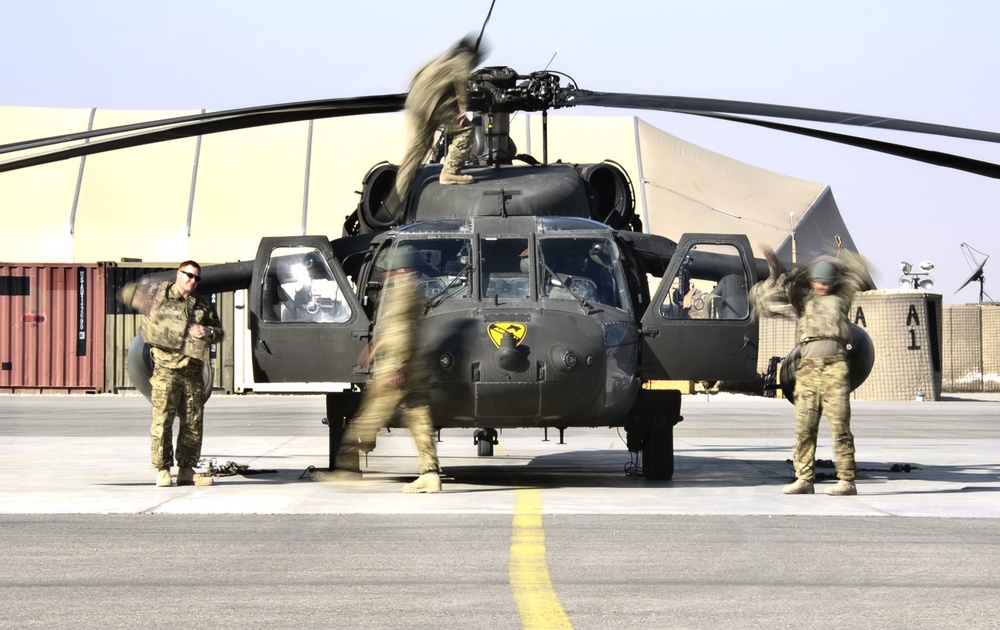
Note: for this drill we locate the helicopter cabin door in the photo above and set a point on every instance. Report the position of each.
(699, 327)
(306, 324)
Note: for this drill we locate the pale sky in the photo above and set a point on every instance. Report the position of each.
(927, 61)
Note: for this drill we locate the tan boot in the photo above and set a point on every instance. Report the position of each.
(163, 478)
(427, 482)
(800, 486)
(842, 488)
(448, 179)
(186, 477)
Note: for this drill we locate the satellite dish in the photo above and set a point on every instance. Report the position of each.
(976, 275)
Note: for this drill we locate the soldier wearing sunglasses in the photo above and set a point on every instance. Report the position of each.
(180, 327)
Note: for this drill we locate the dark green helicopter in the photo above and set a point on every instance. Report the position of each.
(538, 309)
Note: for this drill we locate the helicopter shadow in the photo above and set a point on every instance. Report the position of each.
(607, 469)
(615, 469)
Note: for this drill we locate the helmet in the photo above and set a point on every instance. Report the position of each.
(824, 271)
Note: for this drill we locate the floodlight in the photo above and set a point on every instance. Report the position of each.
(926, 265)
(926, 284)
(905, 266)
(905, 282)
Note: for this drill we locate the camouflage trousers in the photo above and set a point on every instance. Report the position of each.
(420, 143)
(458, 149)
(823, 385)
(177, 392)
(377, 408)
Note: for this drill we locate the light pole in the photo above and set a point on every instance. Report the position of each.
(791, 225)
(916, 280)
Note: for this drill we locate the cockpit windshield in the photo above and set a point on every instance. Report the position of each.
(505, 269)
(444, 267)
(581, 269)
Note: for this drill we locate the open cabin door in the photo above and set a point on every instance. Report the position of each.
(699, 327)
(306, 324)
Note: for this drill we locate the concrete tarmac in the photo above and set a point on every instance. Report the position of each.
(89, 454)
(88, 541)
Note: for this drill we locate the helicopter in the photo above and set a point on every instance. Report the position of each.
(539, 310)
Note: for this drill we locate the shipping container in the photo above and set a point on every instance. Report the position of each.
(51, 328)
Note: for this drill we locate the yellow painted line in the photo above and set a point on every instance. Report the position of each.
(529, 572)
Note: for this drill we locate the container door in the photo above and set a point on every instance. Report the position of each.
(306, 324)
(698, 326)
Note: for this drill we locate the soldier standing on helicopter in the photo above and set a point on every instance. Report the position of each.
(399, 379)
(438, 97)
(820, 295)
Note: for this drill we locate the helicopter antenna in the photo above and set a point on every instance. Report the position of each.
(551, 59)
(479, 40)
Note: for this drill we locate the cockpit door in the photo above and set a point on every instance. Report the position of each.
(699, 324)
(306, 324)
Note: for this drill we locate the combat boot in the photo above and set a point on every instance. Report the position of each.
(842, 488)
(448, 179)
(186, 477)
(800, 486)
(163, 478)
(427, 482)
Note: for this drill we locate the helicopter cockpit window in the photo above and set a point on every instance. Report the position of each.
(299, 286)
(711, 283)
(505, 268)
(444, 267)
(581, 269)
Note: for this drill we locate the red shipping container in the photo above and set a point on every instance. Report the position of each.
(51, 328)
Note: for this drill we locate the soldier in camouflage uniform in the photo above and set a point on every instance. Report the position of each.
(438, 97)
(399, 379)
(180, 329)
(821, 297)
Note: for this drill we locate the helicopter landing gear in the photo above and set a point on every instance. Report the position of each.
(656, 446)
(652, 432)
(485, 439)
(340, 408)
(658, 454)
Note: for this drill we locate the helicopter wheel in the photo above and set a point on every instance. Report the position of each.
(484, 440)
(340, 408)
(485, 448)
(658, 454)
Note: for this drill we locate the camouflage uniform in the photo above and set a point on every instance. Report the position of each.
(395, 346)
(440, 90)
(822, 382)
(178, 358)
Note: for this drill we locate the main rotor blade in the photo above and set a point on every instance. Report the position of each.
(937, 158)
(690, 105)
(198, 124)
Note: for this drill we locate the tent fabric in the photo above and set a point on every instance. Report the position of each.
(212, 200)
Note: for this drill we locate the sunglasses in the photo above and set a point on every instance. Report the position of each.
(193, 276)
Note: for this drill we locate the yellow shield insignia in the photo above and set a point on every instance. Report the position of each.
(496, 331)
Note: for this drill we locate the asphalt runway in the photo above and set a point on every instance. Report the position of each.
(542, 534)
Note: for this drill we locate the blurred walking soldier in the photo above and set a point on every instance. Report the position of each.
(438, 97)
(180, 328)
(399, 380)
(821, 296)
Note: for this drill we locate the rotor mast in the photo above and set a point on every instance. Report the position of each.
(497, 92)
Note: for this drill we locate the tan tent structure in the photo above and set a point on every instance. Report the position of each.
(212, 198)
